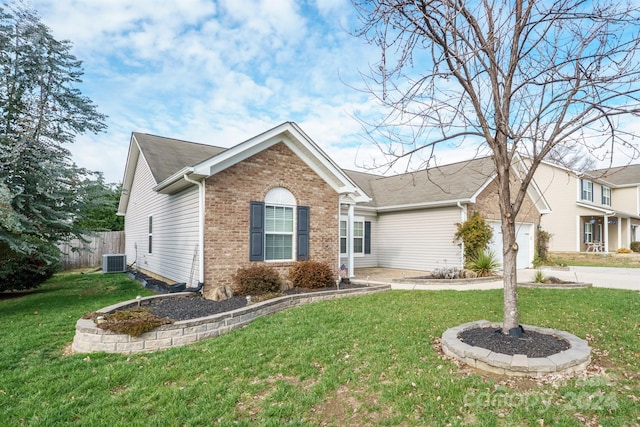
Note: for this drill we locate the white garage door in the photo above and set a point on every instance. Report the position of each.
(524, 237)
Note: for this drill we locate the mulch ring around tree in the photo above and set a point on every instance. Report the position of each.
(531, 344)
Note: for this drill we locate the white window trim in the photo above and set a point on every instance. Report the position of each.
(281, 197)
(359, 219)
(586, 233)
(583, 190)
(608, 197)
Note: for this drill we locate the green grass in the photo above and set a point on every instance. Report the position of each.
(368, 360)
(591, 259)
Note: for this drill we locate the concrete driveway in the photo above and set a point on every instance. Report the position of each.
(604, 277)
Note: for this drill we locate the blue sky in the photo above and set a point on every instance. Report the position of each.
(216, 72)
(220, 72)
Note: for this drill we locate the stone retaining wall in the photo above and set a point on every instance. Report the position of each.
(89, 338)
(574, 359)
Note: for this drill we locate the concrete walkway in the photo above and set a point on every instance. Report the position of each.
(603, 277)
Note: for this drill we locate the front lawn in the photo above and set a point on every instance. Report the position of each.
(595, 259)
(365, 361)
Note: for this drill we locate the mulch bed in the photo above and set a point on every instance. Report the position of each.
(193, 307)
(532, 344)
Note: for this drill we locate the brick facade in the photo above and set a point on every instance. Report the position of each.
(227, 197)
(487, 205)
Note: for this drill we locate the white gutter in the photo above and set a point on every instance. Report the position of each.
(200, 185)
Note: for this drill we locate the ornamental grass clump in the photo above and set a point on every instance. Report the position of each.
(132, 322)
(256, 279)
(311, 275)
(484, 263)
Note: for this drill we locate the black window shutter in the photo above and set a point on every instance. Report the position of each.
(303, 233)
(367, 237)
(256, 232)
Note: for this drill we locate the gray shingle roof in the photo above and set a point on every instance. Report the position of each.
(457, 181)
(622, 175)
(166, 156)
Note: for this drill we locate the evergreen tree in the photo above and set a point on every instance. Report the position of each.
(99, 205)
(41, 110)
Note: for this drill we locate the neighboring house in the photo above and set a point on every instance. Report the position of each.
(196, 213)
(593, 211)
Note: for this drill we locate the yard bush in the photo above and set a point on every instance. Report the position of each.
(624, 251)
(542, 247)
(26, 271)
(635, 246)
(475, 234)
(311, 275)
(257, 279)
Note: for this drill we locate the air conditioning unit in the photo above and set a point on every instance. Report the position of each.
(114, 263)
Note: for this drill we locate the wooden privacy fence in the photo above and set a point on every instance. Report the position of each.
(89, 254)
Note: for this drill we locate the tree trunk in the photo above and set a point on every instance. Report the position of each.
(509, 265)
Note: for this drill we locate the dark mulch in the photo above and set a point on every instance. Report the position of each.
(193, 307)
(532, 344)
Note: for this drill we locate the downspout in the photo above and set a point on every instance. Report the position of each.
(463, 218)
(200, 185)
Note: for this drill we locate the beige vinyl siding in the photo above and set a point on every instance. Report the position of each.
(562, 190)
(418, 240)
(626, 200)
(175, 229)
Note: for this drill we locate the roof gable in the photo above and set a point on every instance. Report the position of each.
(175, 164)
(165, 156)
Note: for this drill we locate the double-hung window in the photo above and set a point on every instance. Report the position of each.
(586, 189)
(606, 196)
(278, 233)
(588, 232)
(361, 236)
(150, 234)
(278, 228)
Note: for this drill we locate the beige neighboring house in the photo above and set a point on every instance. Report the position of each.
(592, 211)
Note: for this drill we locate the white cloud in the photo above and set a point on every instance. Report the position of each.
(220, 73)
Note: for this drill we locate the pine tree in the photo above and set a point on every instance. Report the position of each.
(41, 110)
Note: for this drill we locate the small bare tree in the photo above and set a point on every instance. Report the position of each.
(533, 78)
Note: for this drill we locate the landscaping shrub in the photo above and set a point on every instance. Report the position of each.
(635, 246)
(539, 277)
(256, 280)
(624, 251)
(484, 263)
(20, 271)
(475, 234)
(133, 322)
(446, 273)
(542, 247)
(311, 275)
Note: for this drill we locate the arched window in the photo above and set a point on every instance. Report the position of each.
(279, 229)
(279, 205)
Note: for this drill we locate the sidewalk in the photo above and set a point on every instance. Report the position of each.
(603, 277)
